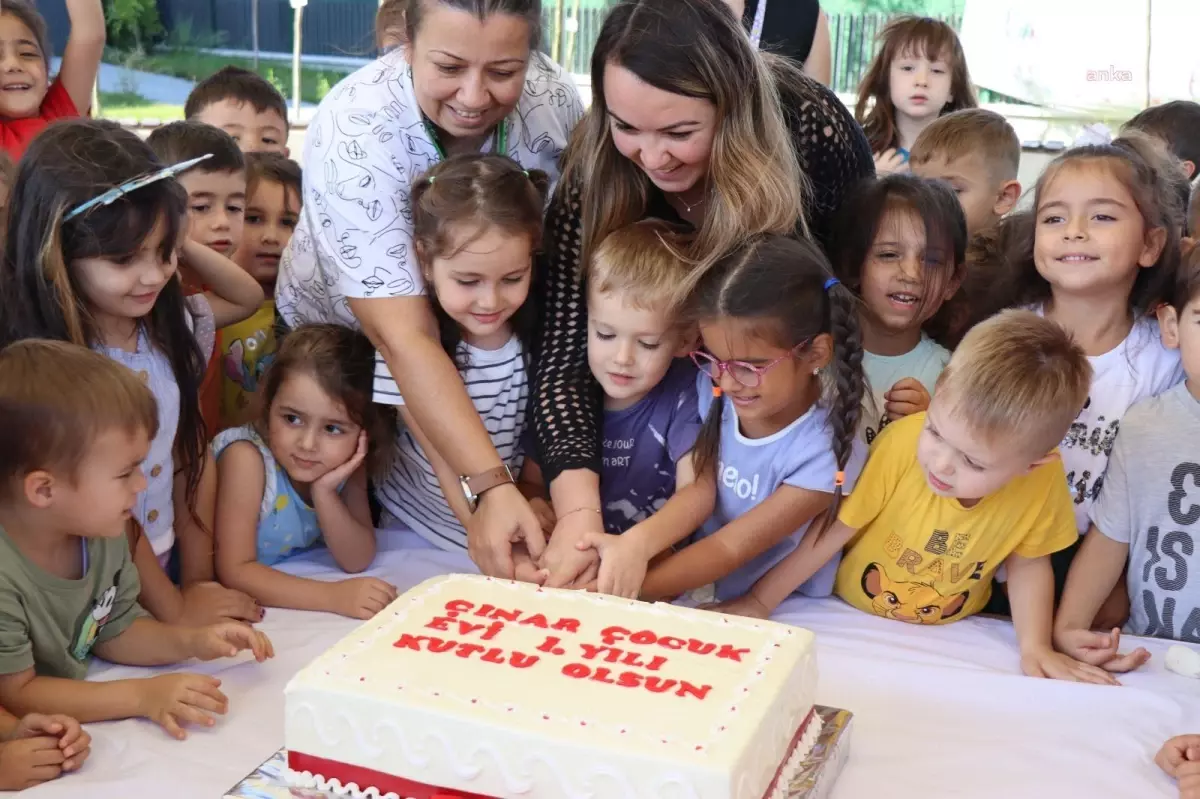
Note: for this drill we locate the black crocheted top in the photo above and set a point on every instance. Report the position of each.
(567, 402)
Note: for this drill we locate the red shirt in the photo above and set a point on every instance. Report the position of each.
(15, 134)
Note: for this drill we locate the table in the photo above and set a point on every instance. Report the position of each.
(940, 711)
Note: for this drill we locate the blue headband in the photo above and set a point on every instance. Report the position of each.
(831, 282)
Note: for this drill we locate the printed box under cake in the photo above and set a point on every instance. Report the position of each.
(480, 715)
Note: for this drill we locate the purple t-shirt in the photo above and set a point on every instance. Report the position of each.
(642, 444)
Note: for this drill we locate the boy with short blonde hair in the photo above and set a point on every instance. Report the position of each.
(75, 427)
(950, 495)
(978, 153)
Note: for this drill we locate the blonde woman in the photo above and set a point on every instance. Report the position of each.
(691, 124)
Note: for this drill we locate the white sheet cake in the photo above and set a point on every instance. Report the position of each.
(473, 687)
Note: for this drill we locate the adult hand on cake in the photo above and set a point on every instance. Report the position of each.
(175, 700)
(360, 597)
(568, 565)
(502, 518)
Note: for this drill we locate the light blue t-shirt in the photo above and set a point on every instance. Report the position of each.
(286, 523)
(750, 469)
(924, 363)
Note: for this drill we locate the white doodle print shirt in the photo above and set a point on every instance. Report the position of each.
(365, 146)
(1138, 368)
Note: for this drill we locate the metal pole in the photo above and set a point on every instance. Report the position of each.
(297, 33)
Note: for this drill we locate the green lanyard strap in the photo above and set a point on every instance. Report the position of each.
(501, 138)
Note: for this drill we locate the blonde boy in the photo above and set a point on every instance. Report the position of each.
(978, 153)
(75, 428)
(950, 495)
(651, 415)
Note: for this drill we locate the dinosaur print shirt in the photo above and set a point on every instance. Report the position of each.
(926, 559)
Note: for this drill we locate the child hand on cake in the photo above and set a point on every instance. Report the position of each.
(297, 477)
(1180, 758)
(70, 475)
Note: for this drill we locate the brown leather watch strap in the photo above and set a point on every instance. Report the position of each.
(485, 481)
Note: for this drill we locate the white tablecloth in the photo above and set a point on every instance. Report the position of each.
(939, 712)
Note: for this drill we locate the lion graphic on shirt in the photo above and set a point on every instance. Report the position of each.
(916, 602)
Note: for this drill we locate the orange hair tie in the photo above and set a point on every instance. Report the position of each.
(717, 391)
(839, 479)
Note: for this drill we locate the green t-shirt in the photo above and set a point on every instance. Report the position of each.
(52, 624)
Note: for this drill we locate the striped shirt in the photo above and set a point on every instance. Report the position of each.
(411, 495)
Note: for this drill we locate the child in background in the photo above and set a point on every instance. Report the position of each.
(91, 259)
(978, 153)
(899, 243)
(75, 428)
(30, 100)
(476, 221)
(216, 189)
(1142, 515)
(243, 104)
(1101, 253)
(299, 476)
(779, 445)
(1177, 125)
(273, 191)
(919, 73)
(951, 494)
(651, 419)
(1180, 758)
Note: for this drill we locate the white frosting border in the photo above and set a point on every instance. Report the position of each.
(812, 733)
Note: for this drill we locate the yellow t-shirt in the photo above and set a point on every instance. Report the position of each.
(247, 349)
(925, 559)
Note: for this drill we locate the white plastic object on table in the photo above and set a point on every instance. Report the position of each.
(1183, 660)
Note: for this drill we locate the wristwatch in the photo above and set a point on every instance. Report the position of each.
(475, 486)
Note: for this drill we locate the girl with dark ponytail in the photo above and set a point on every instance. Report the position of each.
(780, 387)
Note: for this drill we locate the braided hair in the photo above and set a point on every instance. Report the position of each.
(787, 285)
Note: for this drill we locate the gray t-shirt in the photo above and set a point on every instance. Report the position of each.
(751, 469)
(1151, 500)
(51, 623)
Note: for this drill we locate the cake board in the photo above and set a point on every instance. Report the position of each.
(814, 780)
